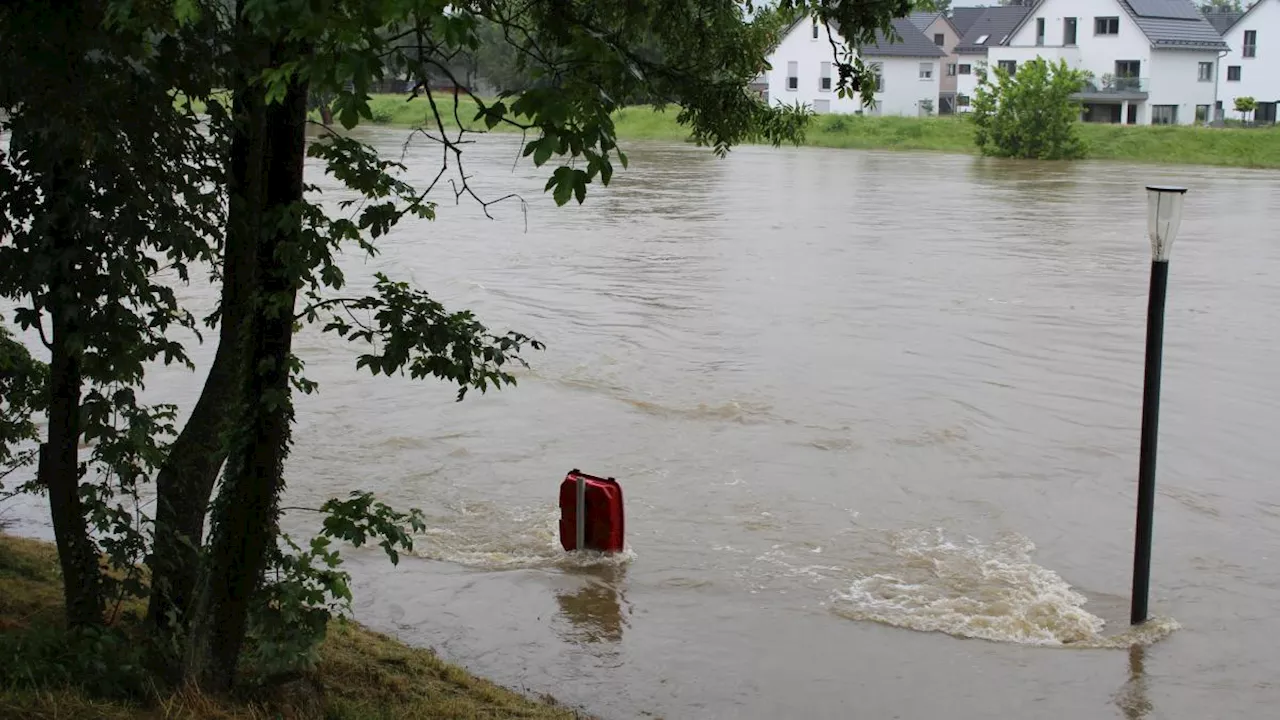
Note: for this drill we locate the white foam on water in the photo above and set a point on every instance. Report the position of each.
(987, 591)
(492, 537)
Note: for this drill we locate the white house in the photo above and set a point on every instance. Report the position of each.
(939, 28)
(1151, 61)
(1252, 67)
(803, 69)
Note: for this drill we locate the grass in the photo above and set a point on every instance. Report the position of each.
(362, 675)
(1185, 145)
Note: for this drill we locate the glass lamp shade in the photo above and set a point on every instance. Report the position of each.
(1164, 216)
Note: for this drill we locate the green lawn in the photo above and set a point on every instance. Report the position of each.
(1230, 146)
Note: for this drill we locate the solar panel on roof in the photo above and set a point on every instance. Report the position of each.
(1172, 9)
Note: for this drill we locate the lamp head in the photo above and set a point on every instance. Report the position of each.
(1164, 217)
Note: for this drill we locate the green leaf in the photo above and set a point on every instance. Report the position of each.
(543, 150)
(186, 12)
(563, 191)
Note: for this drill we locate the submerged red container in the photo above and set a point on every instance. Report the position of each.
(604, 518)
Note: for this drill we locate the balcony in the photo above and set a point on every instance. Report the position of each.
(1109, 87)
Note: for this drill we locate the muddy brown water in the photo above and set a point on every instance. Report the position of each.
(876, 417)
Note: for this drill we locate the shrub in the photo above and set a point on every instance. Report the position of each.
(1245, 105)
(1032, 114)
(835, 123)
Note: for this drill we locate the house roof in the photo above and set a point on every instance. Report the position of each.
(922, 20)
(1222, 20)
(1174, 24)
(963, 18)
(993, 27)
(911, 42)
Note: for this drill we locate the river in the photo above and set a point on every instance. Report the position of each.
(876, 417)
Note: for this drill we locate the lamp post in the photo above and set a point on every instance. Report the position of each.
(1164, 215)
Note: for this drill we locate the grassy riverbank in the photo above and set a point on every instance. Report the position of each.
(1231, 147)
(361, 675)
(1177, 144)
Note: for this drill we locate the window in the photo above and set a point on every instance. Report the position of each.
(1106, 26)
(877, 69)
(1164, 114)
(965, 69)
(1251, 43)
(1068, 31)
(1128, 75)
(962, 101)
(815, 31)
(1009, 66)
(821, 106)
(1039, 31)
(1206, 72)
(1233, 73)
(951, 69)
(1128, 68)
(824, 78)
(1202, 113)
(926, 71)
(982, 40)
(939, 39)
(793, 76)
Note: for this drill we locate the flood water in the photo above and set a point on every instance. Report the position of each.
(876, 416)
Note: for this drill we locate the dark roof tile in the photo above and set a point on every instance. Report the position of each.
(910, 42)
(1174, 24)
(995, 23)
(964, 18)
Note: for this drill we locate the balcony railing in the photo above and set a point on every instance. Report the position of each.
(1118, 85)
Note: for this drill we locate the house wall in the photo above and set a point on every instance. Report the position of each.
(1174, 81)
(966, 85)
(1260, 75)
(1095, 53)
(947, 83)
(903, 88)
(799, 46)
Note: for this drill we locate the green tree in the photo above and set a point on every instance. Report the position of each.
(90, 252)
(1245, 105)
(1032, 114)
(104, 186)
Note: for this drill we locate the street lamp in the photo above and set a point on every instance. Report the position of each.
(1164, 216)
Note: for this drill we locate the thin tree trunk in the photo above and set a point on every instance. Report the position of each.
(247, 508)
(186, 480)
(59, 469)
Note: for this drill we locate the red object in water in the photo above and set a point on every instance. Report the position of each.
(604, 518)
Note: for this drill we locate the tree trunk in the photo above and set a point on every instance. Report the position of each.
(185, 482)
(244, 518)
(59, 466)
(59, 469)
